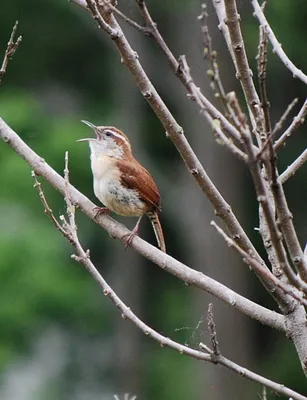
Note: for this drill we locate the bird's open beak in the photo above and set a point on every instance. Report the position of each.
(94, 127)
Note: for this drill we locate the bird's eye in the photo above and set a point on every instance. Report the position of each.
(108, 133)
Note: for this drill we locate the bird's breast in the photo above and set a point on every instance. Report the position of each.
(111, 192)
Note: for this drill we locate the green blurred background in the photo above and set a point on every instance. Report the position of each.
(60, 338)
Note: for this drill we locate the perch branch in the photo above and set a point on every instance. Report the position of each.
(116, 230)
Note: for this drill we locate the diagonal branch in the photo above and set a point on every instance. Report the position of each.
(277, 48)
(291, 170)
(12, 46)
(296, 123)
(279, 124)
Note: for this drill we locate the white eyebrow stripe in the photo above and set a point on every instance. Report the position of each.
(119, 136)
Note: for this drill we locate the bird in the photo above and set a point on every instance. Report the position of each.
(121, 183)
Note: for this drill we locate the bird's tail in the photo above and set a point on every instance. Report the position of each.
(155, 222)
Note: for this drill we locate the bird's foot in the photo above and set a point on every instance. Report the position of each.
(101, 211)
(127, 239)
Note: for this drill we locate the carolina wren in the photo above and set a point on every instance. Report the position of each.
(121, 183)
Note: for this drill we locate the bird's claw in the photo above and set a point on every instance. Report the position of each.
(127, 239)
(101, 211)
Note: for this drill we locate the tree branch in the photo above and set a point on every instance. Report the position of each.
(297, 122)
(282, 120)
(277, 48)
(243, 71)
(10, 50)
(291, 170)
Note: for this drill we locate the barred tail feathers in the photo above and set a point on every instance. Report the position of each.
(155, 222)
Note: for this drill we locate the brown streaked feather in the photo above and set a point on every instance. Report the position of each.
(134, 176)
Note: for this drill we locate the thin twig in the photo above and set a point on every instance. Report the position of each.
(211, 55)
(279, 124)
(142, 29)
(112, 32)
(296, 123)
(277, 48)
(291, 170)
(212, 332)
(271, 171)
(48, 210)
(264, 393)
(69, 231)
(12, 46)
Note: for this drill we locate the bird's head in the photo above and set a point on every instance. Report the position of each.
(109, 141)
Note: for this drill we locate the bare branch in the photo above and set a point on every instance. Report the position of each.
(279, 124)
(12, 46)
(291, 170)
(262, 66)
(112, 32)
(264, 394)
(47, 209)
(212, 331)
(219, 7)
(116, 230)
(80, 3)
(296, 123)
(277, 48)
(211, 56)
(244, 73)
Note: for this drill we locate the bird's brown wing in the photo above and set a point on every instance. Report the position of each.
(134, 176)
